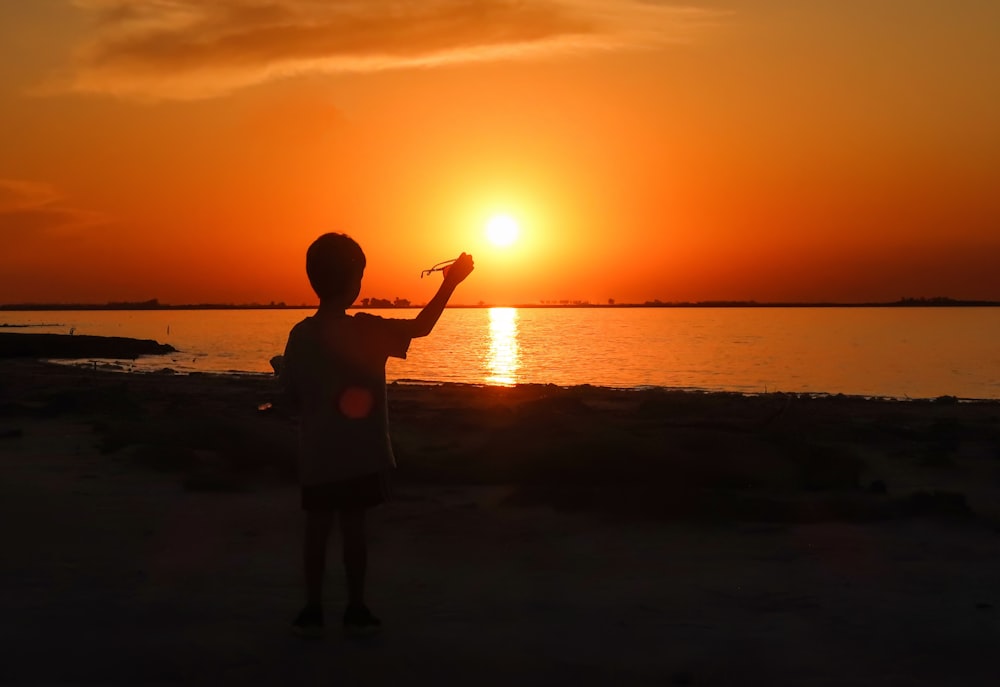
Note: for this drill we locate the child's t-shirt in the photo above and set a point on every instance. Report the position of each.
(334, 374)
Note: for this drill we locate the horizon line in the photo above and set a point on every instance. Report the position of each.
(154, 304)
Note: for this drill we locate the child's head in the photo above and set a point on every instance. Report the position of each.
(334, 264)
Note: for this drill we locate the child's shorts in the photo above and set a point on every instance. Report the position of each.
(356, 493)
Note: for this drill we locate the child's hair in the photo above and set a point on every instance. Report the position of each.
(334, 265)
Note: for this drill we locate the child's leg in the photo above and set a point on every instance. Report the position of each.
(318, 525)
(352, 528)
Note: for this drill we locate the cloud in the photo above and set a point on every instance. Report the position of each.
(189, 49)
(28, 208)
(16, 194)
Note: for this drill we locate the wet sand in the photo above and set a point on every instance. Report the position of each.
(538, 536)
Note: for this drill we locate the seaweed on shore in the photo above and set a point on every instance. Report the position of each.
(650, 453)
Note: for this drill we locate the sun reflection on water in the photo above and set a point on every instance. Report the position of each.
(503, 358)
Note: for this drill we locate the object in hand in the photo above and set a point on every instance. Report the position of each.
(438, 267)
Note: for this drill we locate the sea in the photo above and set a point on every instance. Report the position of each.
(889, 352)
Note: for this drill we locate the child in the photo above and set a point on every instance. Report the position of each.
(334, 376)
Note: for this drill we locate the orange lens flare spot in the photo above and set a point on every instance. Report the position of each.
(356, 402)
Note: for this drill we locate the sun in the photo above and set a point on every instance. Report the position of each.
(502, 230)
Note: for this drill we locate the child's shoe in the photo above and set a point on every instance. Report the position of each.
(309, 623)
(359, 622)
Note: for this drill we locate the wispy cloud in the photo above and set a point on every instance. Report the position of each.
(187, 49)
(30, 209)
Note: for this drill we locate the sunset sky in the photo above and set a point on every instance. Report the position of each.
(835, 150)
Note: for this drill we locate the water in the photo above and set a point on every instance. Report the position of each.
(895, 352)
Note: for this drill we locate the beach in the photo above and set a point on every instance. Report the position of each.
(538, 535)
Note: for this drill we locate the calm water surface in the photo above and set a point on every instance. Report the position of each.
(899, 352)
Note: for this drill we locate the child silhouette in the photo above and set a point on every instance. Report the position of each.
(333, 371)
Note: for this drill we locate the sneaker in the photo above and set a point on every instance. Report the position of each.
(309, 623)
(359, 621)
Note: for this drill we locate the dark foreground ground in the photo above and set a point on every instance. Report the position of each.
(538, 536)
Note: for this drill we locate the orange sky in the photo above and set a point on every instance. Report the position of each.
(836, 150)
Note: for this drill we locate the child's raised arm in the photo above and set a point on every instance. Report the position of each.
(454, 275)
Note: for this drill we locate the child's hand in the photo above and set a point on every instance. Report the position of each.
(456, 272)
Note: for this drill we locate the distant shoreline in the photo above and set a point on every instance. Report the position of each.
(904, 303)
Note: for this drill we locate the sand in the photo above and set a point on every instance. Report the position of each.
(538, 536)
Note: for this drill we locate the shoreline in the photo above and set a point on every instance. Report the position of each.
(113, 366)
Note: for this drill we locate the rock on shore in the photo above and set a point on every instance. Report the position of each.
(77, 346)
